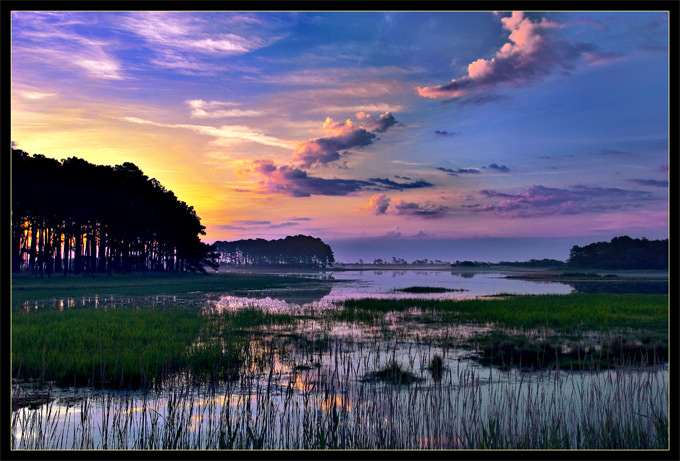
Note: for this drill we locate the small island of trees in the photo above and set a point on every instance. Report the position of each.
(299, 251)
(72, 216)
(621, 253)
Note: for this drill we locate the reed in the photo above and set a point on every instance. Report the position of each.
(332, 407)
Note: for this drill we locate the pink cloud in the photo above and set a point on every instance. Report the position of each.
(530, 54)
(292, 180)
(342, 136)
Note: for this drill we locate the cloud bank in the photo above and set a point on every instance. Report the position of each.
(539, 201)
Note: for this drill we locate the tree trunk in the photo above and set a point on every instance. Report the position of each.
(32, 251)
(102, 249)
(67, 252)
(77, 250)
(17, 230)
(57, 247)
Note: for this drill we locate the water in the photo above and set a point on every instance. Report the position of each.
(307, 386)
(341, 285)
(290, 401)
(382, 284)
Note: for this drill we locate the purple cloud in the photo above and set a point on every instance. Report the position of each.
(342, 136)
(426, 210)
(650, 182)
(459, 171)
(382, 124)
(546, 201)
(497, 167)
(389, 184)
(294, 182)
(378, 204)
(446, 133)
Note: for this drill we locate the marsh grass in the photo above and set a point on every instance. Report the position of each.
(121, 348)
(332, 407)
(571, 312)
(248, 379)
(117, 348)
(589, 331)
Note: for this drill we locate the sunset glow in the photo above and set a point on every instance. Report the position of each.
(404, 127)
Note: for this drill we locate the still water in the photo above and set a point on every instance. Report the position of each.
(340, 285)
(308, 385)
(384, 284)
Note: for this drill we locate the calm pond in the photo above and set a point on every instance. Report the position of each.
(341, 285)
(325, 382)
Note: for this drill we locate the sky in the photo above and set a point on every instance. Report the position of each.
(440, 135)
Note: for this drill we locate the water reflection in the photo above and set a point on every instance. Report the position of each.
(294, 394)
(307, 378)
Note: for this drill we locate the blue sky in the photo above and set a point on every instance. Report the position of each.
(411, 128)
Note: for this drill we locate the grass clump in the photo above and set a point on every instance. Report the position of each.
(419, 289)
(393, 373)
(436, 367)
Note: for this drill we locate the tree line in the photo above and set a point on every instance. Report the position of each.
(621, 253)
(293, 251)
(72, 216)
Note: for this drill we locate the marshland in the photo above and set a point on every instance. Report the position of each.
(336, 360)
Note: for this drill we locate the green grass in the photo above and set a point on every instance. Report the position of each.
(250, 318)
(116, 347)
(598, 312)
(128, 347)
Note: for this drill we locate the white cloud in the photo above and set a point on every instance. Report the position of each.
(228, 133)
(214, 109)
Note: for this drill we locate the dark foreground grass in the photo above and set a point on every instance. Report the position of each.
(25, 288)
(131, 348)
(508, 351)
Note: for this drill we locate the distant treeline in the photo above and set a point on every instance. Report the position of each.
(546, 262)
(531, 263)
(292, 251)
(72, 216)
(621, 253)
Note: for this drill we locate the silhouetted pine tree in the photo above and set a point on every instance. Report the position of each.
(76, 217)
